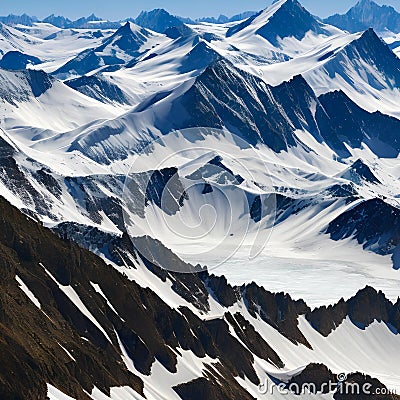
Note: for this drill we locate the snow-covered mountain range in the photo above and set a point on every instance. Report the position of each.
(264, 149)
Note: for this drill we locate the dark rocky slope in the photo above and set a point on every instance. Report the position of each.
(374, 224)
(149, 329)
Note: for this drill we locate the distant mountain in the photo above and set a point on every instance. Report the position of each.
(223, 19)
(23, 19)
(82, 23)
(367, 14)
(61, 22)
(157, 20)
(117, 49)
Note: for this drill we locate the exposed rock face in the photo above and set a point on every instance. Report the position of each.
(363, 309)
(373, 223)
(201, 389)
(318, 379)
(278, 310)
(31, 339)
(317, 374)
(139, 319)
(99, 88)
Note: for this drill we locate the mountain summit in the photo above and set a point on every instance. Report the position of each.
(367, 14)
(157, 20)
(284, 18)
(117, 49)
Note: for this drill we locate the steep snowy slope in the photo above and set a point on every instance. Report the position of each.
(316, 187)
(196, 87)
(160, 70)
(366, 70)
(226, 97)
(13, 40)
(312, 189)
(361, 65)
(34, 102)
(99, 88)
(358, 64)
(285, 18)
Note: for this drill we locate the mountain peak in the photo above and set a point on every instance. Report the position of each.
(93, 17)
(200, 57)
(284, 18)
(365, 2)
(369, 33)
(367, 14)
(370, 49)
(128, 28)
(158, 20)
(290, 19)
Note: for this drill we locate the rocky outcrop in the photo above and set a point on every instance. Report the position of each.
(363, 309)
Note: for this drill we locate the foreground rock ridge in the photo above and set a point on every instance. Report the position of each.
(68, 319)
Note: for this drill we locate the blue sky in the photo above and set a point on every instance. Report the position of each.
(119, 9)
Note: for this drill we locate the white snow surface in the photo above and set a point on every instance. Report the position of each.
(28, 292)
